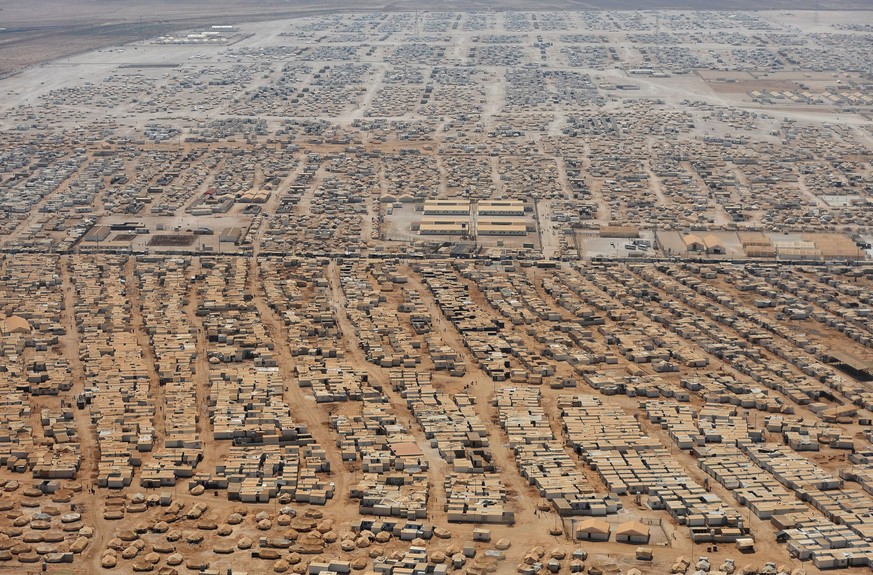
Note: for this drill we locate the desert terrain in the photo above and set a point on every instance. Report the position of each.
(436, 289)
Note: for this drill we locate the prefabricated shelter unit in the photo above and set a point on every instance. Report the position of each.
(500, 208)
(500, 227)
(446, 207)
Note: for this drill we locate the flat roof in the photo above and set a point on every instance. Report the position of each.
(850, 360)
(444, 226)
(500, 203)
(406, 449)
(445, 221)
(447, 202)
(501, 210)
(502, 226)
(434, 227)
(457, 207)
(619, 232)
(500, 222)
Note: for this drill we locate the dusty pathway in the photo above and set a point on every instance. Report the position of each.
(87, 476)
(302, 405)
(137, 325)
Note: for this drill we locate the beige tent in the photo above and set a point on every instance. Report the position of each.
(632, 532)
(693, 243)
(16, 324)
(592, 529)
(714, 245)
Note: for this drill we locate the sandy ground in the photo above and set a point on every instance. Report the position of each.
(31, 32)
(532, 527)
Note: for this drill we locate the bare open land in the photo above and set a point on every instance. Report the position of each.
(33, 32)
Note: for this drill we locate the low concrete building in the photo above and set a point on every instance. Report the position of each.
(500, 208)
(443, 227)
(446, 207)
(500, 227)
